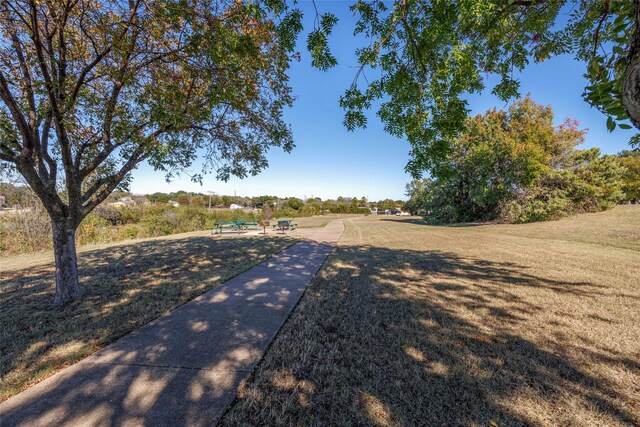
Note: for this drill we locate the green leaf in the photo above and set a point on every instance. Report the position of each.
(594, 67)
(611, 124)
(327, 22)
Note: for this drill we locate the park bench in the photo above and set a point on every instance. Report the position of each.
(284, 225)
(219, 226)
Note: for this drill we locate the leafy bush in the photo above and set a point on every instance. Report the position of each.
(285, 213)
(30, 231)
(630, 160)
(516, 166)
(94, 229)
(541, 204)
(159, 224)
(27, 231)
(119, 215)
(132, 231)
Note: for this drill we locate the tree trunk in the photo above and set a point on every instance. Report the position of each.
(64, 249)
(631, 77)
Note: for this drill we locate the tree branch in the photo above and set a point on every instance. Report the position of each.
(87, 69)
(88, 204)
(53, 92)
(9, 154)
(7, 158)
(10, 102)
(528, 3)
(109, 183)
(26, 75)
(596, 37)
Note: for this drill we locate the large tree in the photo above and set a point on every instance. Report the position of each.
(89, 89)
(516, 166)
(426, 56)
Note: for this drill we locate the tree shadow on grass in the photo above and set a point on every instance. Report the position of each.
(183, 368)
(124, 287)
(399, 337)
(423, 222)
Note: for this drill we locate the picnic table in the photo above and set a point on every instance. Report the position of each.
(284, 225)
(225, 225)
(238, 225)
(245, 224)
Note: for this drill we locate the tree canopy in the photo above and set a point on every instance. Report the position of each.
(430, 54)
(91, 88)
(517, 166)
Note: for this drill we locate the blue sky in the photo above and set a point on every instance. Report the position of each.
(328, 161)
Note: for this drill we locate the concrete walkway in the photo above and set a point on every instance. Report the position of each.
(186, 367)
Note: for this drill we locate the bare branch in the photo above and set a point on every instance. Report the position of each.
(101, 189)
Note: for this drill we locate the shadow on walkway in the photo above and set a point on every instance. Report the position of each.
(183, 368)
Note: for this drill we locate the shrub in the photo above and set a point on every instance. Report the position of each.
(93, 229)
(131, 231)
(191, 218)
(536, 207)
(158, 225)
(26, 231)
(516, 166)
(130, 214)
(592, 185)
(108, 213)
(31, 231)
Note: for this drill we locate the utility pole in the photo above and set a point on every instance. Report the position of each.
(211, 193)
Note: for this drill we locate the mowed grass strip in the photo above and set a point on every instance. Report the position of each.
(318, 221)
(408, 324)
(124, 287)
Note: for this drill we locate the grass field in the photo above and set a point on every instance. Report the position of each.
(320, 221)
(124, 287)
(506, 325)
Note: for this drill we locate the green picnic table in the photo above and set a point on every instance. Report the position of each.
(284, 225)
(224, 225)
(245, 224)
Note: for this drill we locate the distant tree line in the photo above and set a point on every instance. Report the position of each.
(310, 206)
(23, 196)
(516, 166)
(152, 215)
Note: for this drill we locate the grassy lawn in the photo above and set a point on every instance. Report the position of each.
(320, 221)
(409, 324)
(124, 287)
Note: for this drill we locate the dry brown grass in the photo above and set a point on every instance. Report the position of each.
(619, 228)
(124, 287)
(321, 220)
(408, 324)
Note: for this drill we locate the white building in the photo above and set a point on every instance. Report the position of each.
(124, 201)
